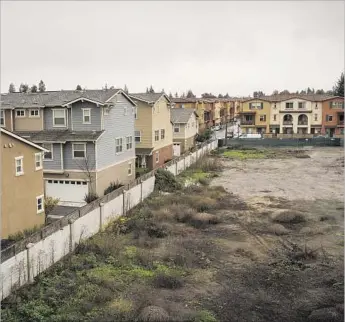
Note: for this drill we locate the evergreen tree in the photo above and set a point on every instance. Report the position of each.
(226, 95)
(11, 89)
(151, 90)
(176, 95)
(338, 89)
(170, 95)
(147, 90)
(78, 88)
(41, 86)
(220, 96)
(23, 88)
(125, 89)
(33, 89)
(320, 91)
(190, 94)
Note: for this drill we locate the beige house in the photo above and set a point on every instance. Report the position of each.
(185, 128)
(22, 186)
(153, 129)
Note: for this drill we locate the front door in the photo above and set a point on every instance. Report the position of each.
(177, 149)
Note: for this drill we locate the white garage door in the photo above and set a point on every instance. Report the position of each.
(67, 190)
(177, 149)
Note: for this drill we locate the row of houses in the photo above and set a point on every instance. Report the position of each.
(68, 144)
(275, 114)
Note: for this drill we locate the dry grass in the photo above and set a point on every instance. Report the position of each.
(153, 314)
(290, 217)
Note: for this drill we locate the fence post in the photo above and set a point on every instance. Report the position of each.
(123, 202)
(101, 215)
(71, 235)
(28, 262)
(141, 190)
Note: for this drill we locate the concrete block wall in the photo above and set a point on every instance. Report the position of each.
(23, 261)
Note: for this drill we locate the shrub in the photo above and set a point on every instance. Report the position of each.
(208, 164)
(202, 220)
(113, 186)
(49, 204)
(163, 280)
(91, 196)
(25, 233)
(204, 181)
(290, 217)
(153, 314)
(166, 181)
(205, 136)
(277, 229)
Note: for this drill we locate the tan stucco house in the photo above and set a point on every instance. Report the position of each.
(22, 186)
(185, 128)
(153, 129)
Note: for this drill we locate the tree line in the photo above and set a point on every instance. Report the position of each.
(24, 88)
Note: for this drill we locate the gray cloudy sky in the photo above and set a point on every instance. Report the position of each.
(218, 47)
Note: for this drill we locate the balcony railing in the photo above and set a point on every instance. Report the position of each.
(340, 122)
(246, 122)
(287, 122)
(302, 122)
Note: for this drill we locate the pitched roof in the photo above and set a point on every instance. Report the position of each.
(57, 98)
(61, 136)
(24, 140)
(148, 97)
(181, 115)
(285, 97)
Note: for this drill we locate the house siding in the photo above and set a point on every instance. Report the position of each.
(79, 164)
(143, 123)
(54, 164)
(77, 117)
(116, 124)
(28, 123)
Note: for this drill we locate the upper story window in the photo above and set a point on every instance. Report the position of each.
(274, 117)
(329, 118)
(86, 116)
(129, 170)
(48, 156)
(2, 118)
(137, 136)
(20, 113)
(34, 113)
(59, 117)
(19, 164)
(301, 104)
(79, 150)
(157, 135)
(38, 161)
(129, 142)
(263, 118)
(118, 145)
(135, 111)
(337, 105)
(255, 105)
(162, 134)
(176, 128)
(289, 105)
(315, 117)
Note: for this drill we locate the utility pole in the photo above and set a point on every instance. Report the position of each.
(226, 132)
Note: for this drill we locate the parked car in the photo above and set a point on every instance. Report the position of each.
(250, 136)
(216, 128)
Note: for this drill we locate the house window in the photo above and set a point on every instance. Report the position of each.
(301, 104)
(315, 117)
(162, 134)
(263, 118)
(2, 118)
(275, 105)
(86, 116)
(130, 168)
(182, 105)
(125, 110)
(176, 128)
(274, 117)
(157, 135)
(20, 113)
(329, 118)
(48, 155)
(135, 113)
(129, 142)
(79, 150)
(137, 136)
(316, 106)
(157, 156)
(19, 165)
(118, 143)
(38, 161)
(35, 113)
(59, 118)
(289, 105)
(40, 204)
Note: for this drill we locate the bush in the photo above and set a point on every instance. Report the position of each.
(153, 314)
(49, 204)
(208, 164)
(205, 136)
(290, 217)
(91, 196)
(163, 280)
(166, 181)
(202, 220)
(25, 233)
(113, 186)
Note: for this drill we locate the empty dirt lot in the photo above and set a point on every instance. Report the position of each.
(259, 239)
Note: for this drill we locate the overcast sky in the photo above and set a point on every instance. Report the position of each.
(218, 47)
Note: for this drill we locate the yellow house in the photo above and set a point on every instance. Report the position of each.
(255, 115)
(153, 129)
(22, 186)
(185, 129)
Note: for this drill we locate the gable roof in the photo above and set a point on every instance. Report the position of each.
(59, 98)
(148, 97)
(19, 138)
(181, 115)
(286, 97)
